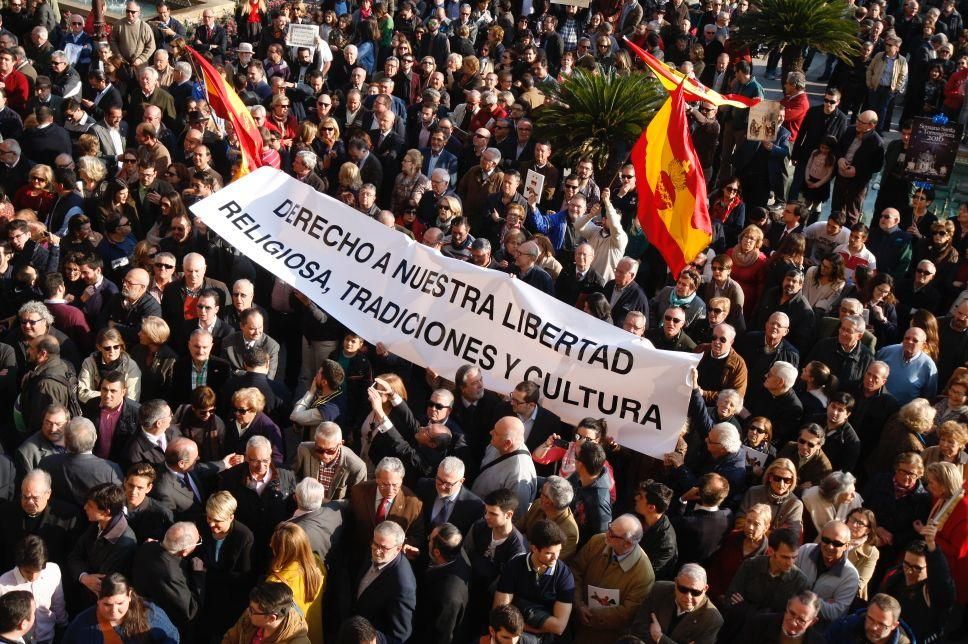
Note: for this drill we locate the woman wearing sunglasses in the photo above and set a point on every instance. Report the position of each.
(110, 355)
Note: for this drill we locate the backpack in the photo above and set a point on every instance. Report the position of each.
(73, 402)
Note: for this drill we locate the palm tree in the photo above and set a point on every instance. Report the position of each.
(599, 116)
(794, 25)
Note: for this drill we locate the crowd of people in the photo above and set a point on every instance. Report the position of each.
(195, 451)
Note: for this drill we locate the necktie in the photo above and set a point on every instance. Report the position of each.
(188, 486)
(441, 515)
(383, 510)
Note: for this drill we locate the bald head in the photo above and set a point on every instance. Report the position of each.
(508, 434)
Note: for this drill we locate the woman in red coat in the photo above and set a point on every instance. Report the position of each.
(749, 266)
(949, 519)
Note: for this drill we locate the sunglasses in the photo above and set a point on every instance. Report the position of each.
(685, 590)
(111, 347)
(165, 266)
(327, 451)
(921, 271)
(628, 176)
(756, 429)
(672, 318)
(437, 406)
(240, 410)
(827, 541)
(829, 101)
(804, 441)
(781, 479)
(716, 310)
(719, 338)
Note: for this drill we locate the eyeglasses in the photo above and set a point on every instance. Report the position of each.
(446, 484)
(128, 160)
(379, 548)
(685, 590)
(912, 567)
(804, 441)
(437, 406)
(30, 322)
(571, 186)
(327, 451)
(238, 411)
(672, 318)
(827, 541)
(856, 521)
(167, 267)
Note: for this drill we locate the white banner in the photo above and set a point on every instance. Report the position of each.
(440, 312)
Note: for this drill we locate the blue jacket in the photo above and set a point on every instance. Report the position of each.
(553, 226)
(85, 630)
(849, 628)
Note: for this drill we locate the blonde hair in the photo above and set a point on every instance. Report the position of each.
(329, 121)
(251, 397)
(349, 176)
(289, 544)
(753, 230)
(43, 171)
(781, 464)
(306, 133)
(221, 506)
(918, 415)
(948, 475)
(955, 431)
(761, 510)
(156, 329)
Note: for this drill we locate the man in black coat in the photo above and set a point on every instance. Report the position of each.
(132, 304)
(42, 144)
(53, 520)
(623, 293)
(574, 285)
(210, 38)
(443, 596)
(162, 574)
(821, 120)
(775, 399)
(475, 410)
(207, 308)
(421, 455)
(760, 349)
(446, 500)
(199, 359)
(155, 433)
(113, 401)
(789, 299)
(75, 473)
(861, 155)
(700, 530)
(148, 518)
(184, 484)
(539, 423)
(797, 624)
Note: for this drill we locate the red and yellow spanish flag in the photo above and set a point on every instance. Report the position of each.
(673, 207)
(227, 105)
(695, 91)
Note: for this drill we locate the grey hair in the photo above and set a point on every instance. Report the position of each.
(257, 110)
(761, 510)
(635, 535)
(308, 157)
(835, 484)
(446, 394)
(731, 394)
(807, 598)
(37, 473)
(785, 372)
(36, 308)
(391, 529)
(440, 174)
(797, 79)
(728, 436)
(180, 536)
(151, 71)
(151, 412)
(80, 436)
(309, 494)
(59, 55)
(391, 464)
(560, 492)
(241, 282)
(194, 257)
(693, 571)
(493, 154)
(352, 48)
(328, 430)
(452, 465)
(184, 68)
(856, 321)
(260, 442)
(782, 317)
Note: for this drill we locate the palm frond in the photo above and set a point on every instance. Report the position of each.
(826, 25)
(598, 116)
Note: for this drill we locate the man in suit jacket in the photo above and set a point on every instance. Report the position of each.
(444, 591)
(251, 335)
(161, 574)
(539, 423)
(446, 500)
(437, 156)
(127, 308)
(207, 310)
(760, 165)
(341, 468)
(475, 410)
(623, 293)
(184, 484)
(322, 522)
(574, 285)
(385, 588)
(679, 611)
(371, 170)
(192, 282)
(385, 499)
(210, 37)
(199, 360)
(77, 471)
(700, 530)
(99, 95)
(155, 433)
